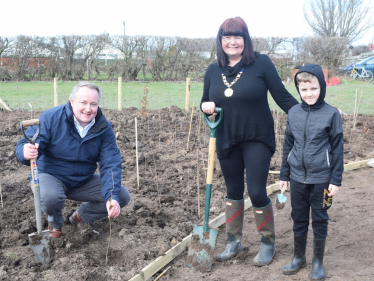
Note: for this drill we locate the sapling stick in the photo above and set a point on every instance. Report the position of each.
(354, 112)
(136, 146)
(1, 196)
(198, 185)
(189, 132)
(162, 273)
(110, 223)
(198, 132)
(158, 190)
(175, 143)
(358, 107)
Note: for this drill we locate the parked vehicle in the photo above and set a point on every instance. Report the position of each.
(368, 63)
(362, 73)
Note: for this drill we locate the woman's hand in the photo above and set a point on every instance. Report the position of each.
(208, 107)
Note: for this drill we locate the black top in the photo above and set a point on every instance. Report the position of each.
(247, 115)
(313, 146)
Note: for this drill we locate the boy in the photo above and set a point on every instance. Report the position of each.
(313, 163)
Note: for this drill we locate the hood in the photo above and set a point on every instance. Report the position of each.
(316, 70)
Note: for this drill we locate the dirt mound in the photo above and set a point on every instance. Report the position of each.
(164, 208)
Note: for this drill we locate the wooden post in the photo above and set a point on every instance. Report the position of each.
(119, 93)
(187, 106)
(55, 87)
(5, 106)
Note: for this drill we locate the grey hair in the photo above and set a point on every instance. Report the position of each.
(86, 84)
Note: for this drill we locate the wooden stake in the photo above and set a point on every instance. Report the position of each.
(136, 145)
(119, 93)
(187, 105)
(189, 133)
(4, 104)
(55, 88)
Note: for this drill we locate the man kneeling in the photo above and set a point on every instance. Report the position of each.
(75, 137)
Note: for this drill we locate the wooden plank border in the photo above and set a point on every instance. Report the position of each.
(155, 266)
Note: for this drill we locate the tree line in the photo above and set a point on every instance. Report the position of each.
(155, 58)
(335, 23)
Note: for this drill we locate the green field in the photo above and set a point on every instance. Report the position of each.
(20, 95)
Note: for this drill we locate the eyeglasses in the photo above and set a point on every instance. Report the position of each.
(229, 38)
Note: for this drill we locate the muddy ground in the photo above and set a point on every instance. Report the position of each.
(164, 208)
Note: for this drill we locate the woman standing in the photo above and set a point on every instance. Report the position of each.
(238, 82)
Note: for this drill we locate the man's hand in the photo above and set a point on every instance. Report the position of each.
(283, 184)
(30, 151)
(333, 189)
(113, 208)
(208, 107)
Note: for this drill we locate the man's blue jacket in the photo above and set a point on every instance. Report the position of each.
(65, 155)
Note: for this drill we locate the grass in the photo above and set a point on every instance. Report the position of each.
(18, 95)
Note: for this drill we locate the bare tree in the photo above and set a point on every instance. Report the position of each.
(339, 18)
(358, 50)
(268, 45)
(134, 53)
(5, 45)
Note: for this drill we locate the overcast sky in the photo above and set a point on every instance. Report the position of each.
(192, 19)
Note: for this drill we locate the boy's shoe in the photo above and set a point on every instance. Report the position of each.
(234, 225)
(318, 272)
(265, 226)
(299, 259)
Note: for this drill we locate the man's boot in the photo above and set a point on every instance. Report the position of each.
(318, 272)
(234, 226)
(265, 226)
(75, 218)
(298, 260)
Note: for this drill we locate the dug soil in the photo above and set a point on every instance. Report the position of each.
(164, 208)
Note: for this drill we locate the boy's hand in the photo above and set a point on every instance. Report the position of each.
(333, 189)
(283, 184)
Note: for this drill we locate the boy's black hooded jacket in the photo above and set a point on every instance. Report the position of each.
(313, 143)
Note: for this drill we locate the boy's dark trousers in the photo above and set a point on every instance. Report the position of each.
(310, 196)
